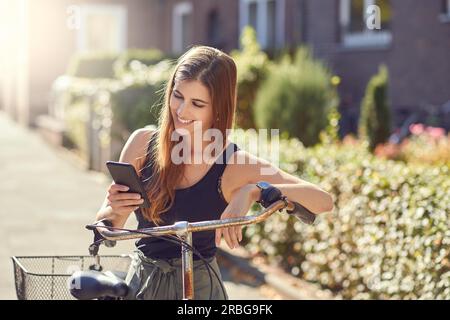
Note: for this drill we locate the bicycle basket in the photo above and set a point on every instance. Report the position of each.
(46, 277)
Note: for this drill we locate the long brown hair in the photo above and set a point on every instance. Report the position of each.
(217, 71)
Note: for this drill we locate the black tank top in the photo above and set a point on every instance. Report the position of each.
(201, 201)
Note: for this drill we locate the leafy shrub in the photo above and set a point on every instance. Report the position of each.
(375, 118)
(296, 97)
(388, 237)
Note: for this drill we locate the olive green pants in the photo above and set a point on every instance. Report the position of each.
(158, 279)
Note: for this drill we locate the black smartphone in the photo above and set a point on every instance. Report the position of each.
(124, 173)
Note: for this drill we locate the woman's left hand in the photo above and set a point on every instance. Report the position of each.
(240, 204)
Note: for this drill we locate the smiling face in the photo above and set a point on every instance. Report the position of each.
(190, 101)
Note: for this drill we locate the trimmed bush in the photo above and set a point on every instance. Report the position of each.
(296, 97)
(375, 118)
(252, 66)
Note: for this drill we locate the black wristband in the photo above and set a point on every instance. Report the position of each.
(269, 196)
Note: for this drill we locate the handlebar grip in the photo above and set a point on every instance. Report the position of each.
(301, 213)
(98, 236)
(110, 243)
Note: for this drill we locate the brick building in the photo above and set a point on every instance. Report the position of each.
(414, 41)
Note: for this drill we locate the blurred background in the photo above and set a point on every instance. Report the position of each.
(360, 90)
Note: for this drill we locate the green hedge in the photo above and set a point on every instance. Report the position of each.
(124, 64)
(137, 106)
(112, 65)
(388, 237)
(92, 65)
(139, 102)
(75, 125)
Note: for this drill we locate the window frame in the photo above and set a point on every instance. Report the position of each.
(366, 38)
(179, 10)
(444, 16)
(261, 21)
(117, 10)
(213, 23)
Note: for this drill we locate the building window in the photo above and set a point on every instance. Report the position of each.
(252, 14)
(214, 38)
(365, 23)
(182, 27)
(102, 28)
(271, 26)
(267, 18)
(445, 14)
(299, 31)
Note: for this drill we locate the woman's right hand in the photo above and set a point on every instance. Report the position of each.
(123, 203)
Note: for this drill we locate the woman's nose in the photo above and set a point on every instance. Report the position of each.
(181, 109)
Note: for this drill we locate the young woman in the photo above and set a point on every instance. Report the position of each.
(200, 96)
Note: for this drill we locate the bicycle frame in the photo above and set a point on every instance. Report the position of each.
(184, 230)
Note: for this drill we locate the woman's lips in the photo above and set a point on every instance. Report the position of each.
(184, 121)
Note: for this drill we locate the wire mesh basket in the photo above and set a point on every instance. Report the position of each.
(46, 277)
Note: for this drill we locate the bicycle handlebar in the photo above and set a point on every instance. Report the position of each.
(293, 208)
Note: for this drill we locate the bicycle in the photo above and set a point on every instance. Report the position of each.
(95, 283)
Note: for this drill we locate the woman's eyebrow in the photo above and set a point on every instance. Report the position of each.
(192, 99)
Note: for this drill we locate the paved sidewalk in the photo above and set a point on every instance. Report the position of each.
(46, 198)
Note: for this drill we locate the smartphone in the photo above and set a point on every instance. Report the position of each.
(124, 173)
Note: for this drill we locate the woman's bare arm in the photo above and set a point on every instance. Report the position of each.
(240, 191)
(248, 169)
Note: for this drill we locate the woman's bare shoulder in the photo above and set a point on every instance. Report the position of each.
(238, 164)
(135, 149)
(247, 168)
